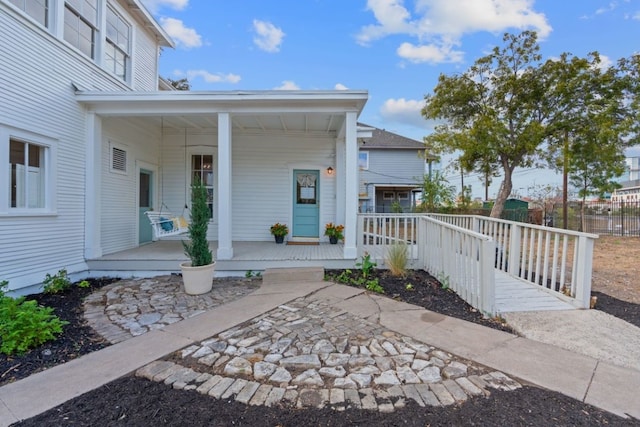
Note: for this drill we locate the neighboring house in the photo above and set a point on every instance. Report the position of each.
(91, 143)
(392, 169)
(629, 192)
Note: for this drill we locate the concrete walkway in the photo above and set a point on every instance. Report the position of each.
(602, 384)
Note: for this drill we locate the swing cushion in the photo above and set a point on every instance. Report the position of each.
(166, 224)
(180, 222)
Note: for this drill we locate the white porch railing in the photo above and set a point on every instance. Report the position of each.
(558, 261)
(459, 258)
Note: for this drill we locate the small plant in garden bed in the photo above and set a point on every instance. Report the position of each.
(364, 279)
(76, 339)
(396, 259)
(60, 282)
(25, 324)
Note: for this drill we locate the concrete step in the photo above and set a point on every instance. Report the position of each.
(292, 275)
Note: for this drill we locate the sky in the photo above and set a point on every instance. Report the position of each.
(394, 49)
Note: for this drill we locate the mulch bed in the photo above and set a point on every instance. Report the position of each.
(131, 401)
(77, 339)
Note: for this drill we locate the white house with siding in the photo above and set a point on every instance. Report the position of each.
(88, 143)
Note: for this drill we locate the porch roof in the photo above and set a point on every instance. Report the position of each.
(288, 111)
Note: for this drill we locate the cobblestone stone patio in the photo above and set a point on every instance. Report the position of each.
(306, 353)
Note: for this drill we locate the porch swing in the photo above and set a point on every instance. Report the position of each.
(164, 223)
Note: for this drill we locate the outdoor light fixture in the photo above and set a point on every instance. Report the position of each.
(330, 170)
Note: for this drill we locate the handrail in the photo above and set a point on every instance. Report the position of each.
(558, 261)
(461, 259)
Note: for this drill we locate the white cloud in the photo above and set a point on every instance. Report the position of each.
(407, 111)
(605, 63)
(439, 25)
(268, 36)
(287, 85)
(210, 77)
(340, 86)
(636, 16)
(429, 53)
(155, 5)
(183, 36)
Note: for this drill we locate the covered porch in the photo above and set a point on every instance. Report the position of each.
(265, 157)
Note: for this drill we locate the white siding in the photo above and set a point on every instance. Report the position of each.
(119, 227)
(145, 68)
(262, 178)
(392, 167)
(36, 76)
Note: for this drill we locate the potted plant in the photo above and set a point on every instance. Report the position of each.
(197, 274)
(334, 232)
(279, 231)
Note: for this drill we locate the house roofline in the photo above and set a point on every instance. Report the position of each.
(194, 101)
(152, 25)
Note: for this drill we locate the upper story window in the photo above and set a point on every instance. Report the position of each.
(37, 9)
(117, 46)
(80, 24)
(363, 160)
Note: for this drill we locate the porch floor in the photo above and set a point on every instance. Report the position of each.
(166, 255)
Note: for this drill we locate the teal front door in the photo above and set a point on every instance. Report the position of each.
(145, 202)
(306, 203)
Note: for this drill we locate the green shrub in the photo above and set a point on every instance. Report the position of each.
(60, 282)
(57, 283)
(197, 248)
(25, 324)
(396, 259)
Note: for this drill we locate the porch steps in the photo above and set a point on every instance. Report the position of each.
(292, 275)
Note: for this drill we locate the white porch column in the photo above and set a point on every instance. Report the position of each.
(351, 186)
(339, 181)
(93, 188)
(225, 246)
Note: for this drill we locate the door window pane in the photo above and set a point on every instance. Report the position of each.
(202, 169)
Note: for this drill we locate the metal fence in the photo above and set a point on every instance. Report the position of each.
(605, 217)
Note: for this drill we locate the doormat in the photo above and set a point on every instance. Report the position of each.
(289, 242)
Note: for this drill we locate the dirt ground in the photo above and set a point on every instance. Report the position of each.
(615, 267)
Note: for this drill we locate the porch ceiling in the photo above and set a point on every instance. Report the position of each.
(315, 123)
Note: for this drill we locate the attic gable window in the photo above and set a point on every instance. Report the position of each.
(117, 45)
(37, 9)
(80, 25)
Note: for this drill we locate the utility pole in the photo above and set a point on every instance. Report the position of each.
(565, 181)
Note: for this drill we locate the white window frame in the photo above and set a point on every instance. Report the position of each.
(22, 7)
(94, 26)
(403, 195)
(50, 171)
(388, 195)
(125, 50)
(363, 160)
(203, 151)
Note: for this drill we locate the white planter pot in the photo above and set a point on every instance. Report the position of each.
(197, 280)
